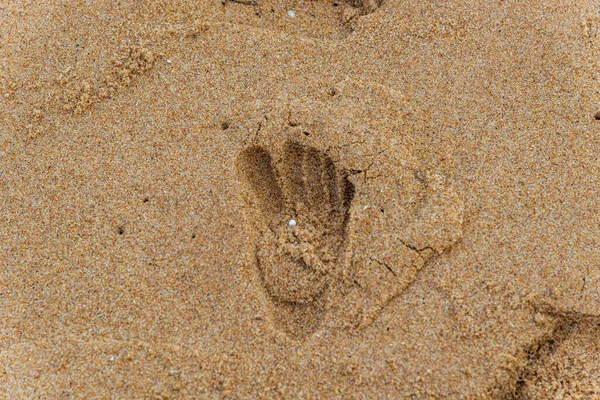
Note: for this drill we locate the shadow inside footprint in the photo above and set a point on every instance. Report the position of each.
(302, 203)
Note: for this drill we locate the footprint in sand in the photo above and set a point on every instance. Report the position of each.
(305, 201)
(339, 231)
(331, 19)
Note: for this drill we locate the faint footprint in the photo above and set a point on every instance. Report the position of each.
(304, 202)
(331, 19)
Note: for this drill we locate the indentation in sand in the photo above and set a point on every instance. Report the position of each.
(367, 219)
(561, 363)
(297, 261)
(333, 19)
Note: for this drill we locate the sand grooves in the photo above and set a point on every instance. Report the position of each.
(367, 214)
(567, 365)
(323, 19)
(564, 363)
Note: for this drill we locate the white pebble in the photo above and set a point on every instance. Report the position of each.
(292, 222)
(291, 13)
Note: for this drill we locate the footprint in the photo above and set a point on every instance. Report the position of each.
(303, 202)
(323, 19)
(325, 258)
(342, 214)
(562, 360)
(566, 365)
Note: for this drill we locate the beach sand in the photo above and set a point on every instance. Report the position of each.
(299, 199)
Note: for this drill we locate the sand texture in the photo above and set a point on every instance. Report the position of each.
(300, 199)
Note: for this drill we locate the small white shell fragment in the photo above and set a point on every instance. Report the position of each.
(292, 222)
(291, 13)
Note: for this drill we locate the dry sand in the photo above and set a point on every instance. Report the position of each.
(439, 159)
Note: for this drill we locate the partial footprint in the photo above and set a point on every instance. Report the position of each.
(303, 202)
(330, 19)
(567, 367)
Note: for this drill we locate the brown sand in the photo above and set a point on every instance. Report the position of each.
(440, 160)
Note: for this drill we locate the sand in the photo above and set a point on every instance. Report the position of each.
(439, 159)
